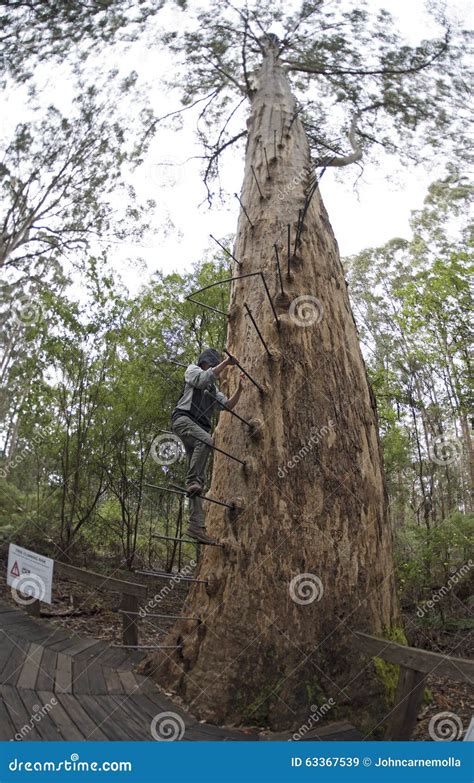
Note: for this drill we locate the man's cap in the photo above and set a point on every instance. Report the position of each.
(210, 356)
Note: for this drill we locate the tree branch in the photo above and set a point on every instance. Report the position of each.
(153, 125)
(212, 158)
(346, 160)
(293, 65)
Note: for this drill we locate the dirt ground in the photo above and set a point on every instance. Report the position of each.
(83, 610)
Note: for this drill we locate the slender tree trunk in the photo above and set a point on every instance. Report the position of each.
(263, 652)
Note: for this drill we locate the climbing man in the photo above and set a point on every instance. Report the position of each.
(192, 421)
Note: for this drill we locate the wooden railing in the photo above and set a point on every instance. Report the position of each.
(415, 665)
(132, 594)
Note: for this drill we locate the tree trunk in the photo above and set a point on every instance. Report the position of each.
(268, 648)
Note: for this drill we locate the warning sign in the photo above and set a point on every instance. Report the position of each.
(15, 569)
(30, 574)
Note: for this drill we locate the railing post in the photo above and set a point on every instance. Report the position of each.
(34, 608)
(129, 621)
(408, 698)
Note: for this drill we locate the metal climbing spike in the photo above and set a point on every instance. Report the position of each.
(237, 415)
(164, 575)
(190, 297)
(185, 540)
(181, 491)
(147, 646)
(266, 162)
(173, 361)
(289, 246)
(243, 209)
(277, 258)
(214, 448)
(277, 320)
(252, 380)
(256, 182)
(226, 251)
(153, 614)
(297, 233)
(250, 315)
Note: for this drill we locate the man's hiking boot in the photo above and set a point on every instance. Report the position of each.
(193, 488)
(199, 533)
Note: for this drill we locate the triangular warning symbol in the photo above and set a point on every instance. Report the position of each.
(15, 570)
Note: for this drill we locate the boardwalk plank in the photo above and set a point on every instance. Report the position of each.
(64, 723)
(207, 732)
(112, 681)
(113, 658)
(117, 658)
(19, 625)
(7, 728)
(102, 717)
(159, 703)
(30, 668)
(96, 651)
(6, 648)
(134, 729)
(80, 717)
(19, 715)
(63, 682)
(79, 646)
(62, 645)
(97, 683)
(80, 679)
(45, 726)
(12, 668)
(46, 674)
(139, 683)
(128, 681)
(141, 717)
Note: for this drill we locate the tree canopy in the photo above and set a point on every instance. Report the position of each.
(360, 86)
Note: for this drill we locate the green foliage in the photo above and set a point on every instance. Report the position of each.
(426, 561)
(35, 32)
(102, 390)
(412, 305)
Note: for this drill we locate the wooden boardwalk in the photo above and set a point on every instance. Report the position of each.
(57, 686)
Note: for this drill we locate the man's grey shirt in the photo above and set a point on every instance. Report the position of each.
(197, 379)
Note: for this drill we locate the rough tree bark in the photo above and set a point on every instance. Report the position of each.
(265, 651)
